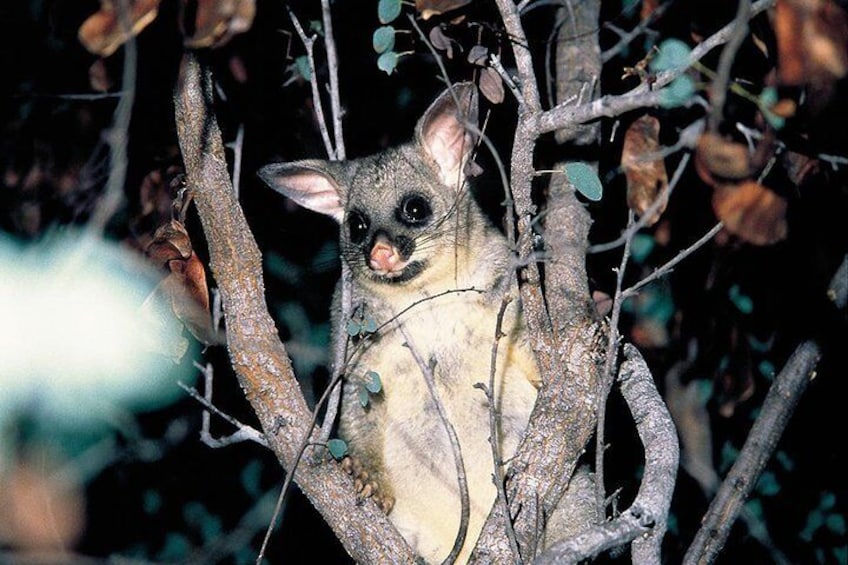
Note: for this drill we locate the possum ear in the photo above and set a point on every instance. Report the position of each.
(442, 134)
(316, 185)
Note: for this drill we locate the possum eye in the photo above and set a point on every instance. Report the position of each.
(414, 210)
(357, 224)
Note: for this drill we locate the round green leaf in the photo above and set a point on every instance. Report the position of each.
(678, 92)
(768, 98)
(388, 10)
(369, 325)
(302, 65)
(673, 54)
(387, 62)
(337, 447)
(363, 397)
(585, 180)
(641, 247)
(373, 382)
(353, 328)
(383, 39)
(836, 524)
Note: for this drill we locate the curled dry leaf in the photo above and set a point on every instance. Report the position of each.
(491, 85)
(185, 285)
(217, 21)
(478, 55)
(429, 8)
(103, 32)
(718, 159)
(812, 41)
(441, 41)
(752, 212)
(645, 172)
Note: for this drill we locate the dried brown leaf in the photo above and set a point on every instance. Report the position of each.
(429, 8)
(217, 21)
(102, 33)
(812, 45)
(491, 85)
(752, 212)
(718, 159)
(646, 174)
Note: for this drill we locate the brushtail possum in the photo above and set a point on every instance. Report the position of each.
(428, 275)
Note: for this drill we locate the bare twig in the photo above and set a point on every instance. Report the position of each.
(608, 375)
(644, 523)
(237, 147)
(309, 44)
(776, 411)
(461, 478)
(113, 194)
(333, 64)
(718, 90)
(494, 438)
(643, 220)
(244, 432)
(340, 343)
(664, 269)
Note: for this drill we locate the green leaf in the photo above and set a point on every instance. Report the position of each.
(768, 98)
(828, 501)
(785, 461)
(387, 62)
(388, 10)
(373, 382)
(815, 520)
(768, 485)
(364, 398)
(641, 247)
(353, 328)
(383, 39)
(766, 369)
(729, 453)
(743, 303)
(841, 554)
(678, 92)
(755, 507)
(673, 54)
(337, 447)
(315, 26)
(585, 180)
(836, 524)
(369, 325)
(303, 69)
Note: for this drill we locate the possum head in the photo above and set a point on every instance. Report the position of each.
(404, 210)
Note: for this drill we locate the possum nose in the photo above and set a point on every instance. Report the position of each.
(385, 258)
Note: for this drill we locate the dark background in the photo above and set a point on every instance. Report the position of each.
(164, 496)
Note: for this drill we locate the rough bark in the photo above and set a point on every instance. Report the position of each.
(258, 357)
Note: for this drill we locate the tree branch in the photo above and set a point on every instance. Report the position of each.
(257, 355)
(644, 523)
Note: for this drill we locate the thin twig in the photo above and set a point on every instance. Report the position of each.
(496, 64)
(308, 43)
(340, 361)
(666, 267)
(113, 194)
(608, 375)
(245, 432)
(718, 90)
(237, 147)
(494, 437)
(461, 478)
(333, 64)
(626, 38)
(643, 220)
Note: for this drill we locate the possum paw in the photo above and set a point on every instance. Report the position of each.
(366, 484)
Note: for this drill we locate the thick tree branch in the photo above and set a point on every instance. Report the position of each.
(257, 355)
(644, 523)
